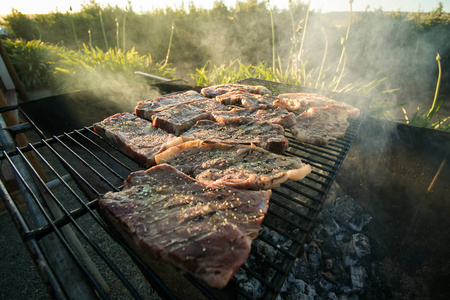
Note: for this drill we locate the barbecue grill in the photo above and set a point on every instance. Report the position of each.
(75, 247)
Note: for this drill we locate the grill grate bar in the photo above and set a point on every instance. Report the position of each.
(311, 149)
(281, 249)
(312, 152)
(87, 164)
(95, 157)
(258, 277)
(315, 180)
(319, 175)
(281, 232)
(72, 169)
(297, 202)
(286, 220)
(70, 218)
(97, 167)
(56, 230)
(309, 160)
(311, 187)
(302, 193)
(89, 129)
(86, 237)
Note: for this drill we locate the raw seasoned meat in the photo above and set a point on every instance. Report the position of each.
(308, 100)
(238, 116)
(321, 125)
(245, 167)
(147, 108)
(265, 135)
(135, 136)
(216, 90)
(181, 117)
(203, 229)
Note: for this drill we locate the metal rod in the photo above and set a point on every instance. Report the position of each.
(66, 270)
(154, 77)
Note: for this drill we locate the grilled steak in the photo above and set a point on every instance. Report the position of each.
(238, 116)
(265, 135)
(147, 108)
(249, 100)
(216, 90)
(245, 167)
(183, 116)
(321, 125)
(308, 100)
(135, 136)
(203, 229)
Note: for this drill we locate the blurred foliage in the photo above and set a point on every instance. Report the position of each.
(34, 62)
(385, 55)
(402, 46)
(218, 35)
(43, 65)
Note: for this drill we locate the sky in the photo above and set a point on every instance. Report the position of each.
(46, 6)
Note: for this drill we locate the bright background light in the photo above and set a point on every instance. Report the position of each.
(46, 6)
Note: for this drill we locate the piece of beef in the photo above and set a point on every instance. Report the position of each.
(216, 90)
(249, 100)
(239, 166)
(238, 116)
(265, 135)
(181, 117)
(135, 136)
(147, 108)
(321, 125)
(309, 100)
(203, 229)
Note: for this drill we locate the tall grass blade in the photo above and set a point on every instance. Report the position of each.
(123, 33)
(73, 29)
(273, 34)
(324, 57)
(103, 27)
(304, 32)
(170, 44)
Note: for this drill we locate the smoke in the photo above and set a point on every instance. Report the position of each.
(379, 46)
(113, 89)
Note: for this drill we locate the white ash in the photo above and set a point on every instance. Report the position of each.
(331, 265)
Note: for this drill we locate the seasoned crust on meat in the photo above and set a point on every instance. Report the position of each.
(245, 167)
(257, 101)
(147, 108)
(216, 90)
(179, 118)
(306, 101)
(135, 137)
(238, 116)
(265, 135)
(203, 229)
(321, 125)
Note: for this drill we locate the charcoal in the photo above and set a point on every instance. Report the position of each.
(332, 296)
(331, 265)
(358, 275)
(349, 214)
(330, 225)
(359, 246)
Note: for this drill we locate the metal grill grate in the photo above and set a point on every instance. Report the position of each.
(61, 216)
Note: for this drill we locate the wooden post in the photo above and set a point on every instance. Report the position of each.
(12, 72)
(21, 139)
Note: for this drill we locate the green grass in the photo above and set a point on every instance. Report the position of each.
(430, 118)
(43, 65)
